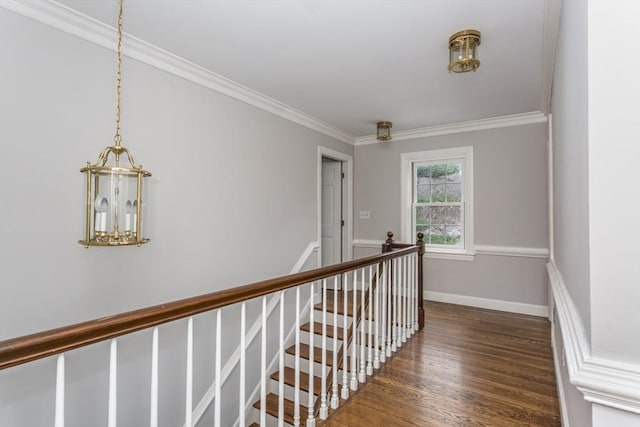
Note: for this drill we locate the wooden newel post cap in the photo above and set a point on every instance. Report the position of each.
(389, 238)
(420, 244)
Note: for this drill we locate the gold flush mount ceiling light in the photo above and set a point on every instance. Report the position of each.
(114, 192)
(384, 131)
(463, 51)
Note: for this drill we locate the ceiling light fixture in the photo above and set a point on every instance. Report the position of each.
(384, 131)
(463, 51)
(114, 204)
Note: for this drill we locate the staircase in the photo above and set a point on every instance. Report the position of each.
(334, 311)
(340, 343)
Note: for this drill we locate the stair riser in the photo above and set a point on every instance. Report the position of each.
(317, 317)
(289, 391)
(317, 341)
(289, 360)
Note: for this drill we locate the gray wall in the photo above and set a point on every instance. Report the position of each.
(229, 182)
(571, 185)
(510, 209)
(570, 157)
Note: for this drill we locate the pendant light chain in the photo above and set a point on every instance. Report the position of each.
(118, 138)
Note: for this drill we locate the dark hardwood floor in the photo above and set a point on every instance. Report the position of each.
(467, 367)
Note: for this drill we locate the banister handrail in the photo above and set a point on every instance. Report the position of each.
(20, 350)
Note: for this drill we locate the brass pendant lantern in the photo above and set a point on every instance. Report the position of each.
(114, 208)
(463, 51)
(384, 131)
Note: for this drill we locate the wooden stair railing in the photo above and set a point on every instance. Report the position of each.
(383, 284)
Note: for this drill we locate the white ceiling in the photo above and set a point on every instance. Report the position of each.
(351, 63)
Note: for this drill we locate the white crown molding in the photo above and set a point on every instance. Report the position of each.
(491, 304)
(514, 251)
(72, 22)
(604, 381)
(451, 128)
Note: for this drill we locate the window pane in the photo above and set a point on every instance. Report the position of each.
(437, 235)
(423, 215)
(423, 190)
(423, 172)
(453, 192)
(454, 172)
(424, 230)
(454, 236)
(453, 215)
(438, 215)
(438, 192)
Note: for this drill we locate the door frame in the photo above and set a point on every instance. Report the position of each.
(347, 201)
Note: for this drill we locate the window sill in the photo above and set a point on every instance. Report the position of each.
(453, 256)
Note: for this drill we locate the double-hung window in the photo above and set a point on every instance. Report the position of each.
(437, 199)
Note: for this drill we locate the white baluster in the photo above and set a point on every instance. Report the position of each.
(413, 294)
(389, 307)
(396, 305)
(281, 365)
(334, 370)
(218, 379)
(243, 364)
(378, 316)
(311, 421)
(403, 301)
(345, 340)
(362, 373)
(263, 365)
(416, 259)
(59, 411)
(383, 311)
(296, 403)
(153, 410)
(354, 341)
(188, 411)
(324, 409)
(407, 321)
(409, 299)
(369, 324)
(113, 384)
(409, 324)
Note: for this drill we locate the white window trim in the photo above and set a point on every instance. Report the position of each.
(406, 169)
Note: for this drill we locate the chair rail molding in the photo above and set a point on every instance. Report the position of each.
(512, 251)
(604, 381)
(515, 251)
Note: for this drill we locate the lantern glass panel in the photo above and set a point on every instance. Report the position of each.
(113, 206)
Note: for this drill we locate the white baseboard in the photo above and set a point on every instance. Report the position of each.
(492, 304)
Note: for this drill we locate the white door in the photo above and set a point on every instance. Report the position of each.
(332, 224)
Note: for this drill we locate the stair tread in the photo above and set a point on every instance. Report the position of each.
(290, 378)
(317, 329)
(272, 408)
